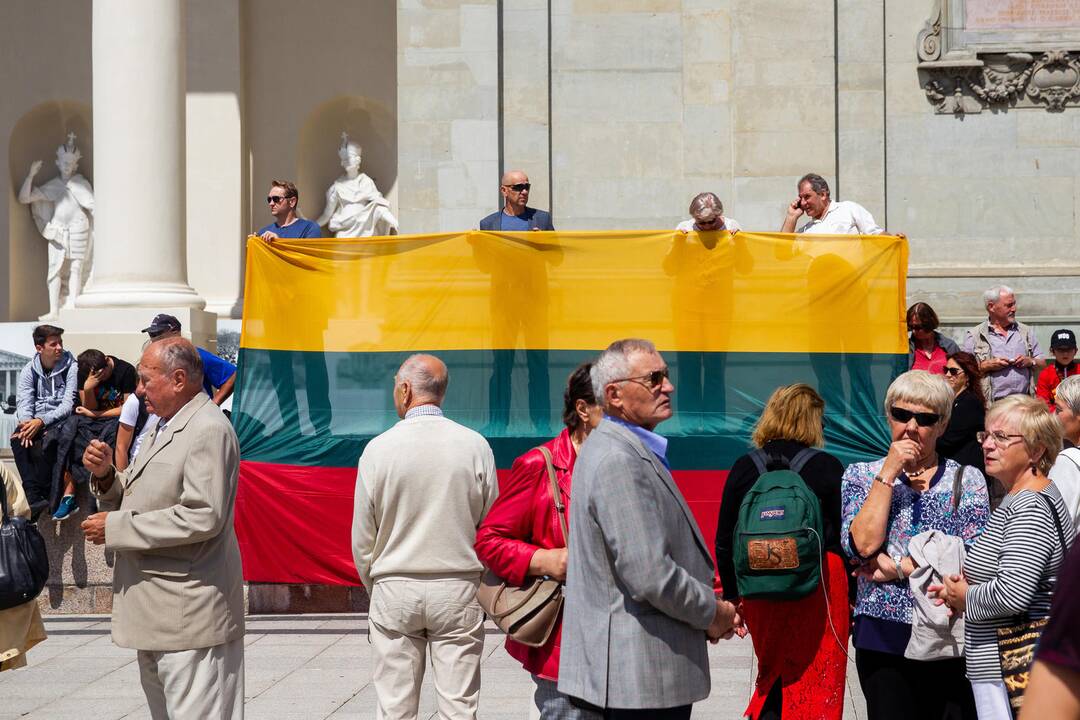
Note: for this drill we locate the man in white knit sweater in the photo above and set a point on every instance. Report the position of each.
(422, 489)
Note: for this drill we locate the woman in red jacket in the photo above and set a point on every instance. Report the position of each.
(521, 537)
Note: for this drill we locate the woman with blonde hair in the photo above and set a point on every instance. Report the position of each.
(800, 644)
(1011, 572)
(886, 503)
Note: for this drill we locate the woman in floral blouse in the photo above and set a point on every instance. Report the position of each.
(884, 504)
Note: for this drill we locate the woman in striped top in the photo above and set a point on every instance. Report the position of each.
(1012, 569)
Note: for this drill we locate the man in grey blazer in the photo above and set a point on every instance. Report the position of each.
(177, 583)
(639, 595)
(516, 215)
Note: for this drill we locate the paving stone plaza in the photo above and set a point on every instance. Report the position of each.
(303, 667)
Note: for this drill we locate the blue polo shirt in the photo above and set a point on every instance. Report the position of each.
(216, 371)
(299, 228)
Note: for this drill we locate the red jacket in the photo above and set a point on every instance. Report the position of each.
(1050, 378)
(521, 521)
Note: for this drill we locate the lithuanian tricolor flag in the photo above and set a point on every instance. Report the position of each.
(327, 323)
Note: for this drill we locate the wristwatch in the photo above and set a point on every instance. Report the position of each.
(897, 558)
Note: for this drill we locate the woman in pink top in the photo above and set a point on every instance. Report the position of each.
(927, 348)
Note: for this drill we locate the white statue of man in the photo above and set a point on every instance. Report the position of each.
(354, 206)
(63, 209)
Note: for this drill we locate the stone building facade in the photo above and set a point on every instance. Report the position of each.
(619, 110)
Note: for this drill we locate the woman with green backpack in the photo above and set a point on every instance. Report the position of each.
(778, 553)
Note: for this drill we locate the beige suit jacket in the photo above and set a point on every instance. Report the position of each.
(177, 581)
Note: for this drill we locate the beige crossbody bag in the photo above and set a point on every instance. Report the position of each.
(527, 613)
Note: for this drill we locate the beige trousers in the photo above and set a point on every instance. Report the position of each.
(410, 618)
(203, 684)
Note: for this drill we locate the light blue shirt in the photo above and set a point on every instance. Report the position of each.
(656, 443)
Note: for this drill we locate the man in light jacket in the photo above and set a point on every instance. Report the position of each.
(178, 589)
(639, 595)
(422, 488)
(44, 399)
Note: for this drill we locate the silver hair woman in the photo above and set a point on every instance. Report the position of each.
(884, 504)
(1012, 569)
(707, 215)
(1066, 470)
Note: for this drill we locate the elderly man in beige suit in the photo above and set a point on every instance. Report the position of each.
(177, 583)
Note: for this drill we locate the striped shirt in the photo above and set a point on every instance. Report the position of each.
(1012, 569)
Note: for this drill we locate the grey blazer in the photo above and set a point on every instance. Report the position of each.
(639, 590)
(538, 220)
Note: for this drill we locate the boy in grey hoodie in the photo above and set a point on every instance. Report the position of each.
(44, 398)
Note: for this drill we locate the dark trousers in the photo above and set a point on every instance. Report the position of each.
(36, 464)
(676, 713)
(896, 687)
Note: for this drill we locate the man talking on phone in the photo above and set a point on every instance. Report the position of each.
(827, 216)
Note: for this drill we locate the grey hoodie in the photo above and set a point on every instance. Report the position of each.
(47, 395)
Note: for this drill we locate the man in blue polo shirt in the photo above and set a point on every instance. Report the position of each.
(219, 375)
(282, 200)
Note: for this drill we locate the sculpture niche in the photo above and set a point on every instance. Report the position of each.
(63, 210)
(354, 206)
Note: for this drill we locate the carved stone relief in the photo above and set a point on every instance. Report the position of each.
(1011, 54)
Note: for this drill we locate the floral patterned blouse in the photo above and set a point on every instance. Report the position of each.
(911, 513)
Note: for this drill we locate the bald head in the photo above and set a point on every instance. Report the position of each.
(421, 380)
(514, 187)
(171, 373)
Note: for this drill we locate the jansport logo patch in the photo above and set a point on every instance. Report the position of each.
(773, 513)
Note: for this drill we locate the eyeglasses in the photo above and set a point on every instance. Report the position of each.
(1000, 439)
(953, 371)
(922, 419)
(275, 199)
(518, 187)
(916, 328)
(708, 223)
(651, 380)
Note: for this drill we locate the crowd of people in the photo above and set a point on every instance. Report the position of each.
(939, 562)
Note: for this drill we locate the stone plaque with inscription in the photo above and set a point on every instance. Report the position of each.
(1001, 54)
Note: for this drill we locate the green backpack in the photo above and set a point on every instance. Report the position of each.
(777, 540)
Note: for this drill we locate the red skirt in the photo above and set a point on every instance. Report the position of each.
(795, 645)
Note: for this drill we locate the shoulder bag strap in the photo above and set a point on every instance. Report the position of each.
(4, 503)
(556, 493)
(1057, 525)
(958, 486)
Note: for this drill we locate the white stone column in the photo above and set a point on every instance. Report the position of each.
(140, 257)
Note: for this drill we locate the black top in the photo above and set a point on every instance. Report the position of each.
(110, 394)
(822, 474)
(1060, 642)
(958, 441)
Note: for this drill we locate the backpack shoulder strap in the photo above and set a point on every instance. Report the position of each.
(761, 461)
(801, 458)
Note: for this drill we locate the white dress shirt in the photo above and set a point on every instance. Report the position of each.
(844, 217)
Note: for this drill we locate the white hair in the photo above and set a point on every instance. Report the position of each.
(614, 363)
(994, 294)
(424, 383)
(1069, 393)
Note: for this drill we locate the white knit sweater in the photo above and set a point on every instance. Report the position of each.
(422, 488)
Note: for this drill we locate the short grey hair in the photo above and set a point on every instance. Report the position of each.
(1068, 392)
(425, 384)
(919, 387)
(994, 294)
(706, 201)
(817, 183)
(614, 363)
(179, 354)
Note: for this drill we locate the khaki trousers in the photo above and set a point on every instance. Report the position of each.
(410, 618)
(203, 684)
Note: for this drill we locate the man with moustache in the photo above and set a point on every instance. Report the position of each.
(827, 216)
(1008, 352)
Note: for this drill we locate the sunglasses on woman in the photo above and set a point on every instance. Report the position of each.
(953, 371)
(922, 419)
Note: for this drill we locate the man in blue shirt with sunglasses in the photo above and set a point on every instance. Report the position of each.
(516, 216)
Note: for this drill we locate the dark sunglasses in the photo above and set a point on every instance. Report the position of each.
(652, 380)
(954, 371)
(274, 199)
(518, 187)
(916, 328)
(922, 419)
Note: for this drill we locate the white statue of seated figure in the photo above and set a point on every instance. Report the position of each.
(63, 209)
(354, 206)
